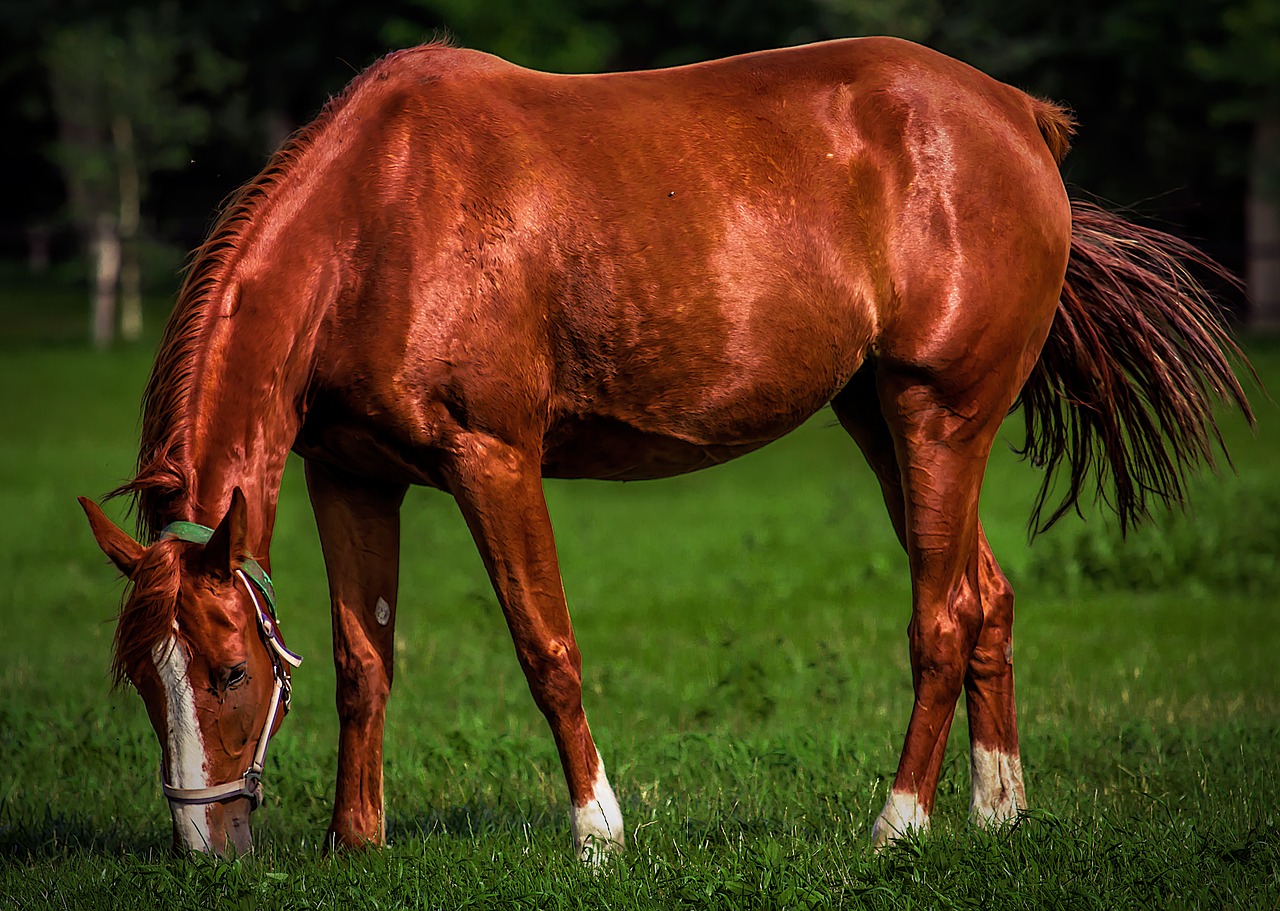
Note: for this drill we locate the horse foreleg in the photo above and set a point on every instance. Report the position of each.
(499, 490)
(359, 525)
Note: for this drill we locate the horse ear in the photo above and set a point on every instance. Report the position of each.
(124, 552)
(226, 549)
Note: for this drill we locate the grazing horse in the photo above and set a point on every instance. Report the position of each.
(471, 276)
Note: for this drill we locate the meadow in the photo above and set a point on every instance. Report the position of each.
(746, 678)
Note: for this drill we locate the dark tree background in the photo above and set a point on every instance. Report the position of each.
(128, 122)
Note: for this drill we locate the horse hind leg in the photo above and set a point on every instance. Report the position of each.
(995, 760)
(499, 490)
(962, 606)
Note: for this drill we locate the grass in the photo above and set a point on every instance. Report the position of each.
(746, 677)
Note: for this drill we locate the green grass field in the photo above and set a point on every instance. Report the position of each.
(747, 680)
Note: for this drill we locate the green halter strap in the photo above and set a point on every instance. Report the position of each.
(200, 534)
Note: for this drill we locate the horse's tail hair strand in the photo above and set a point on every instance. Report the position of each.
(1134, 364)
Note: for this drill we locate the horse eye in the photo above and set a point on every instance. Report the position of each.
(236, 676)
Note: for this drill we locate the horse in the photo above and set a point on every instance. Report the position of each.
(470, 275)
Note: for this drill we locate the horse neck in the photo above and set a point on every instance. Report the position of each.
(247, 411)
(246, 332)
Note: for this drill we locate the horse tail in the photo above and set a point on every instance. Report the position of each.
(1056, 125)
(1134, 364)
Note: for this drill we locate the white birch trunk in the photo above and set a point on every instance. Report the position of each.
(130, 217)
(105, 246)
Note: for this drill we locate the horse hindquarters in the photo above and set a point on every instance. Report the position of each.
(976, 257)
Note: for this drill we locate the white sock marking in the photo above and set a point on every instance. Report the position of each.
(998, 792)
(902, 813)
(185, 743)
(597, 826)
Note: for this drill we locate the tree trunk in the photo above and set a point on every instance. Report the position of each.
(1262, 214)
(130, 217)
(105, 246)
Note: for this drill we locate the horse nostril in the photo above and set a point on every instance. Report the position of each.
(239, 836)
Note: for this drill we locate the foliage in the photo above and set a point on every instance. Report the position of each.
(78, 59)
(550, 35)
(116, 94)
(595, 35)
(1246, 59)
(137, 71)
(1223, 541)
(140, 71)
(1126, 70)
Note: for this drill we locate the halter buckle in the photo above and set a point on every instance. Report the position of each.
(253, 788)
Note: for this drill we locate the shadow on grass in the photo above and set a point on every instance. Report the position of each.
(60, 834)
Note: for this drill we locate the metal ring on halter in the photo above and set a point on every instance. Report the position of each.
(250, 783)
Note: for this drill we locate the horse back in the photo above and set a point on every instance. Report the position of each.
(685, 263)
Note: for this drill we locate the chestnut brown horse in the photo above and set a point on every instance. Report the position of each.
(471, 276)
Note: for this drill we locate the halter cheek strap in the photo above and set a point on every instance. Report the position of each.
(258, 584)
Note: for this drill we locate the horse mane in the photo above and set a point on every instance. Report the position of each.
(149, 611)
(164, 477)
(163, 480)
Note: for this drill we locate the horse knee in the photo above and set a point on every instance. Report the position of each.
(363, 685)
(554, 671)
(993, 654)
(943, 640)
(997, 595)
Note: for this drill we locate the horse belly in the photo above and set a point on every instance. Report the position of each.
(608, 450)
(677, 368)
(703, 392)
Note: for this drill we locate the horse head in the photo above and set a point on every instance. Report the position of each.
(197, 639)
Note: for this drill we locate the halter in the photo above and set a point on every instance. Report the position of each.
(256, 582)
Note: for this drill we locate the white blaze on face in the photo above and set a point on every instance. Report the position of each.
(902, 813)
(185, 744)
(998, 792)
(597, 825)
